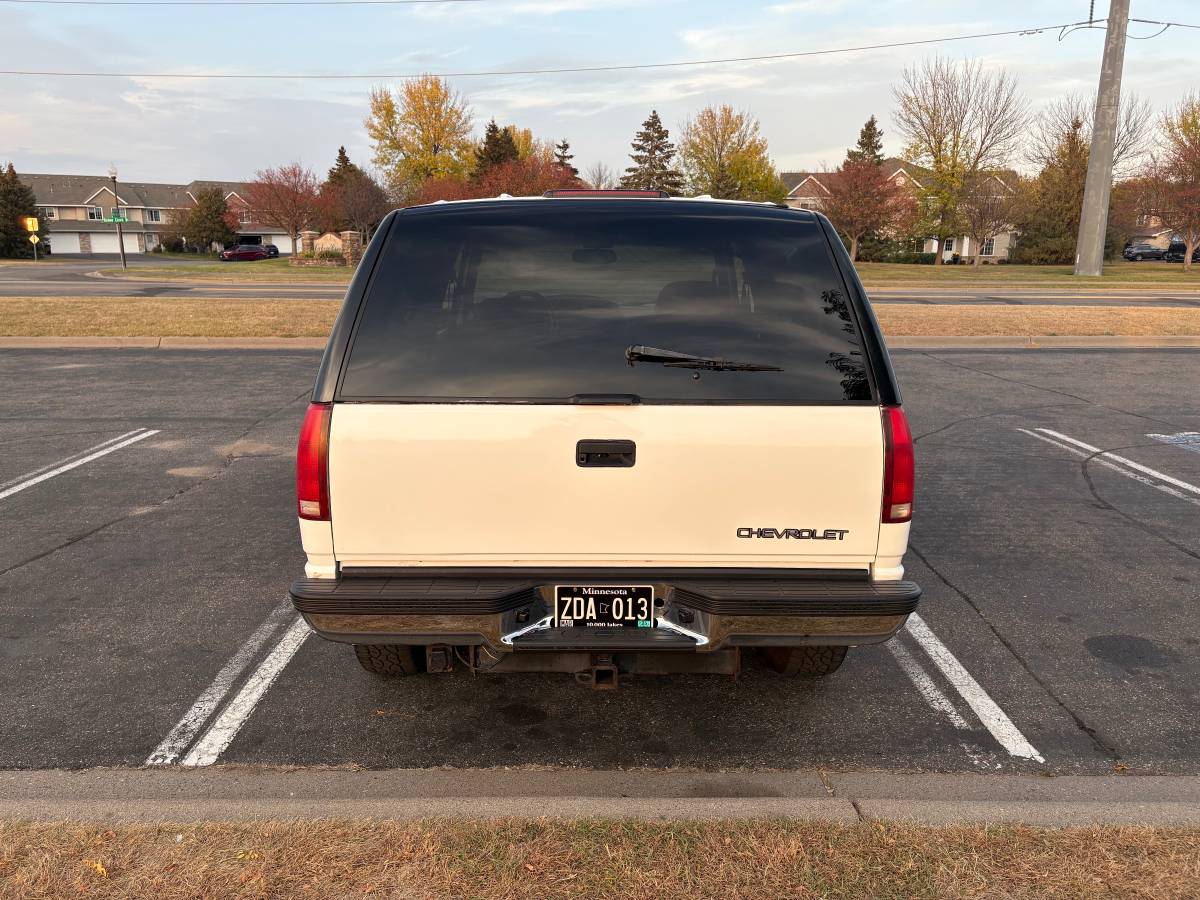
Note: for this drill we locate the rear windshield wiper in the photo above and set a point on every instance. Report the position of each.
(675, 359)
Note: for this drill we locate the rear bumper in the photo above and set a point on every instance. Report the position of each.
(703, 609)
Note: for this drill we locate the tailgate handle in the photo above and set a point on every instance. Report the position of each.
(619, 454)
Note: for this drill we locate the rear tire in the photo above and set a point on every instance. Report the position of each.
(807, 660)
(390, 660)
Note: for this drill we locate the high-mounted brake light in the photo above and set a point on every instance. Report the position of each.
(312, 464)
(596, 192)
(899, 472)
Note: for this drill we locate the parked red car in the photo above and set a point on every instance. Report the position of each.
(244, 252)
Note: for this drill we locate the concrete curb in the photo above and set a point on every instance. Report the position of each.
(896, 342)
(238, 793)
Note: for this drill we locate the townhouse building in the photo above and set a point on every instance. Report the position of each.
(74, 208)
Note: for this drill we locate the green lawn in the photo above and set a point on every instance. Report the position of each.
(1120, 274)
(874, 275)
(272, 270)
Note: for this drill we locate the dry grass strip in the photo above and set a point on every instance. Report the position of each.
(238, 317)
(1121, 275)
(959, 321)
(547, 859)
(164, 317)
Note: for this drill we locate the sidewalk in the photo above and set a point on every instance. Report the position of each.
(246, 794)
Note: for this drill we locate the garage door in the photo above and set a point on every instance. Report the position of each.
(107, 243)
(64, 243)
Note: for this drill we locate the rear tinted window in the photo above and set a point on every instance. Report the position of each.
(538, 301)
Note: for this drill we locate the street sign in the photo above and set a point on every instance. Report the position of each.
(33, 239)
(117, 217)
(30, 223)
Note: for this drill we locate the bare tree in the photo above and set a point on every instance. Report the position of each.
(1056, 118)
(600, 176)
(958, 120)
(362, 203)
(986, 208)
(1174, 192)
(286, 197)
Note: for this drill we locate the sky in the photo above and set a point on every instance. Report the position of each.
(810, 109)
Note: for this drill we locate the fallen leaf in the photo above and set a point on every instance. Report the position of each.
(97, 867)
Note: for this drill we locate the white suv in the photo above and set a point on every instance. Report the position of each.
(602, 433)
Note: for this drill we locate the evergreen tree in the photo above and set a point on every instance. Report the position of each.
(652, 156)
(342, 168)
(344, 178)
(1048, 218)
(497, 148)
(208, 221)
(563, 157)
(869, 146)
(17, 201)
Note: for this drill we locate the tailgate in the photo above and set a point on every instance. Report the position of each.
(499, 484)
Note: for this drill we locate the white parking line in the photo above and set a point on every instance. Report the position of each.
(990, 714)
(925, 687)
(1108, 463)
(1153, 473)
(1188, 440)
(186, 729)
(213, 742)
(37, 476)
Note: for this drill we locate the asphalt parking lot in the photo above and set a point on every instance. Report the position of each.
(148, 539)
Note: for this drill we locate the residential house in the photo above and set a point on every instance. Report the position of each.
(1150, 230)
(808, 190)
(74, 208)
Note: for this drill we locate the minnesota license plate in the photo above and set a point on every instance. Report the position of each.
(603, 606)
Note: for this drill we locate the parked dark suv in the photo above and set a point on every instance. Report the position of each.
(1138, 252)
(1177, 251)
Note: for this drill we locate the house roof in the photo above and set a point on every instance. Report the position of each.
(227, 187)
(814, 184)
(79, 190)
(820, 181)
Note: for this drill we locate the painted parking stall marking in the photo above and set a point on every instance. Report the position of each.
(994, 719)
(180, 738)
(931, 693)
(1188, 440)
(45, 473)
(221, 733)
(1181, 490)
(185, 743)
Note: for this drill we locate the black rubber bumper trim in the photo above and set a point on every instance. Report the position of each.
(726, 592)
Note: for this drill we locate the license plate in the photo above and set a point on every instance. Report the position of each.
(603, 606)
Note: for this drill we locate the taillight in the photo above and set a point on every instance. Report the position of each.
(312, 464)
(898, 466)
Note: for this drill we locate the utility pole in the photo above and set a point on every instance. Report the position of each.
(112, 173)
(1093, 218)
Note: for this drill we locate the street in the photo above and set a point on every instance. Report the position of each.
(81, 277)
(150, 537)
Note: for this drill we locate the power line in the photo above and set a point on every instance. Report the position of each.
(551, 71)
(234, 2)
(1168, 24)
